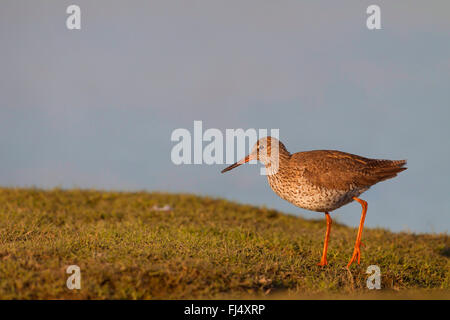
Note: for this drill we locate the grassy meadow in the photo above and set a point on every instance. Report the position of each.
(202, 248)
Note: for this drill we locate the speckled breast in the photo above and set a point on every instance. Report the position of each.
(302, 194)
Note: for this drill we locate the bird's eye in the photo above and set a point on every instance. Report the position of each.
(261, 147)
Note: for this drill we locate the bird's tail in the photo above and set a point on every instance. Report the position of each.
(386, 169)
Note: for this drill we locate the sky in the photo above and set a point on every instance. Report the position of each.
(96, 107)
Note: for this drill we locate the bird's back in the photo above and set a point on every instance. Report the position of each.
(332, 169)
(324, 180)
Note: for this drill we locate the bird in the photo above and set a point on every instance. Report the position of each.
(321, 180)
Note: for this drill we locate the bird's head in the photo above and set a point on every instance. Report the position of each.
(267, 150)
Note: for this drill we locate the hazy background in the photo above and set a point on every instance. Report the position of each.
(95, 108)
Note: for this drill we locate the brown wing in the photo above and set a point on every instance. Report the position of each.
(338, 170)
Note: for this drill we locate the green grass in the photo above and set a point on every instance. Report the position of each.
(203, 248)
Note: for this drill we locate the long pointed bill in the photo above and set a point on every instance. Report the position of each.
(237, 164)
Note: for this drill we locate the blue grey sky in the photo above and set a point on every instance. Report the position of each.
(95, 108)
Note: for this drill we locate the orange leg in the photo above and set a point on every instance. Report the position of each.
(323, 261)
(357, 251)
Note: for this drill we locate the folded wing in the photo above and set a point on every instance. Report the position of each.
(338, 170)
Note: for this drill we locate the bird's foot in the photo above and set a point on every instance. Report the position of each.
(356, 255)
(323, 262)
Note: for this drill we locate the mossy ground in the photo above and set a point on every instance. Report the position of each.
(202, 248)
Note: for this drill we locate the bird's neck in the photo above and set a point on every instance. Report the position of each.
(276, 165)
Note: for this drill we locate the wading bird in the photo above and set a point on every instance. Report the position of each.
(321, 180)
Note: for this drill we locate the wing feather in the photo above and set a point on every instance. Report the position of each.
(339, 170)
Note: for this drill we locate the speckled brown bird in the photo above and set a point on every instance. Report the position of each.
(321, 180)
